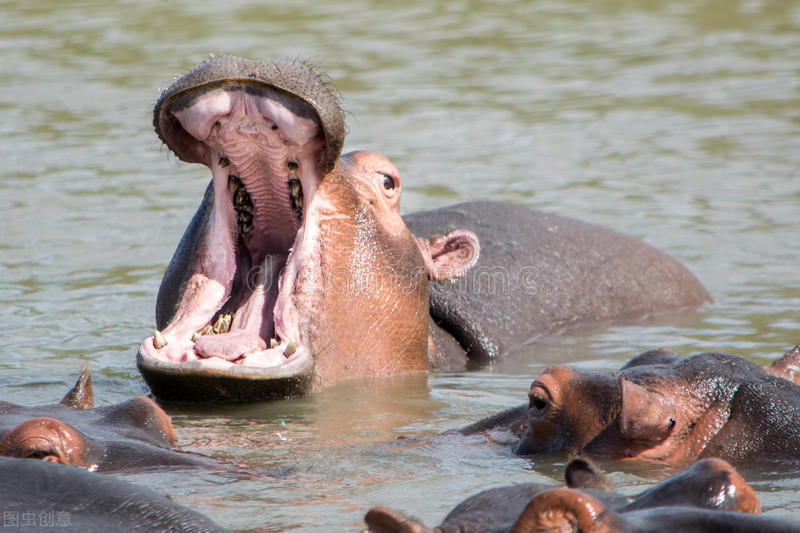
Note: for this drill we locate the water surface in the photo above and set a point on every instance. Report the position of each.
(677, 122)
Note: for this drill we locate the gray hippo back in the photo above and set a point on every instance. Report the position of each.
(538, 273)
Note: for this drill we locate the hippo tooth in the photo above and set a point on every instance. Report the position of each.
(208, 330)
(296, 194)
(273, 343)
(195, 336)
(234, 183)
(245, 227)
(224, 162)
(293, 166)
(290, 349)
(158, 340)
(222, 324)
(296, 188)
(241, 198)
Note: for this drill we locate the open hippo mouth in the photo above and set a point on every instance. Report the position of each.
(235, 295)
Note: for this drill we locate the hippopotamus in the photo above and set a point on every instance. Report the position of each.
(297, 270)
(710, 484)
(40, 496)
(567, 510)
(663, 408)
(132, 434)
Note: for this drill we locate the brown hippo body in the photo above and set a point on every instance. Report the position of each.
(711, 485)
(297, 271)
(132, 434)
(664, 408)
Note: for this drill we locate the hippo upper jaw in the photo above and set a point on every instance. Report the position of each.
(232, 302)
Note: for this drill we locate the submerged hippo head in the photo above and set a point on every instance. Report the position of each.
(129, 434)
(664, 408)
(710, 484)
(297, 270)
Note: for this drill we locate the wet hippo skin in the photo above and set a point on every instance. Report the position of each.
(129, 435)
(42, 496)
(567, 510)
(712, 485)
(297, 270)
(538, 272)
(660, 407)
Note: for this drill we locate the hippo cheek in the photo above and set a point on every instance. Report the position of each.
(46, 439)
(370, 306)
(141, 419)
(232, 307)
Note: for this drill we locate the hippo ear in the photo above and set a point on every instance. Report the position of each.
(581, 474)
(565, 510)
(645, 418)
(449, 256)
(788, 366)
(81, 396)
(659, 356)
(385, 520)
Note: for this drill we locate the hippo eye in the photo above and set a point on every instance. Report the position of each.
(388, 182)
(538, 404)
(39, 454)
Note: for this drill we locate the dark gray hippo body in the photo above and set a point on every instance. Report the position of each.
(712, 485)
(539, 272)
(130, 435)
(40, 496)
(297, 270)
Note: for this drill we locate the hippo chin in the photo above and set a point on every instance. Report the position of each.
(663, 408)
(132, 434)
(297, 270)
(702, 491)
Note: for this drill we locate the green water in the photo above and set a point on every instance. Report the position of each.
(677, 122)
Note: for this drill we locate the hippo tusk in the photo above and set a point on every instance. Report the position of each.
(158, 340)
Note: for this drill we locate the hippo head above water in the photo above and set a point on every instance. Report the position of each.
(297, 269)
(134, 433)
(710, 490)
(663, 408)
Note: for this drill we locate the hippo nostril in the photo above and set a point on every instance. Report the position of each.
(539, 403)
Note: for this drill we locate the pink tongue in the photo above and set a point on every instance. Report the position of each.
(228, 346)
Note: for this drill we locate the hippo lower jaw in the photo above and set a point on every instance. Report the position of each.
(254, 331)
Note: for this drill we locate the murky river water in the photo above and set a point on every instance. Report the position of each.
(679, 124)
